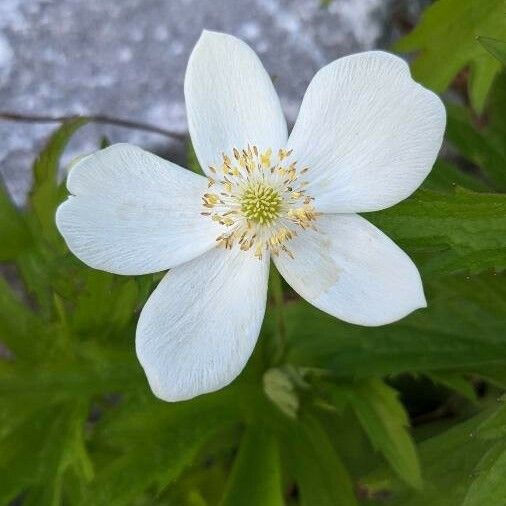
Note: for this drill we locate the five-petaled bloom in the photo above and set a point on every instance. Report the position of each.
(366, 137)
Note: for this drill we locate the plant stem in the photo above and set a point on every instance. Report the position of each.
(279, 341)
(95, 118)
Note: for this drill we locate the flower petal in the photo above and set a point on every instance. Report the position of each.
(230, 99)
(351, 270)
(132, 212)
(199, 327)
(368, 132)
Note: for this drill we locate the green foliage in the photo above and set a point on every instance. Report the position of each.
(318, 470)
(325, 412)
(385, 422)
(46, 192)
(445, 177)
(192, 162)
(463, 328)
(460, 468)
(493, 427)
(13, 228)
(449, 233)
(483, 146)
(489, 487)
(446, 39)
(256, 476)
(280, 389)
(454, 381)
(183, 429)
(495, 47)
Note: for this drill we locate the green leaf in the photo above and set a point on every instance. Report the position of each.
(462, 328)
(105, 304)
(46, 193)
(385, 421)
(13, 229)
(493, 427)
(461, 469)
(495, 47)
(449, 461)
(36, 456)
(158, 441)
(63, 379)
(446, 177)
(454, 381)
(256, 475)
(192, 161)
(446, 41)
(489, 486)
(280, 390)
(449, 233)
(20, 329)
(63, 448)
(321, 477)
(105, 142)
(482, 146)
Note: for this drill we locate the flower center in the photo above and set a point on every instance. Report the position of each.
(260, 203)
(259, 199)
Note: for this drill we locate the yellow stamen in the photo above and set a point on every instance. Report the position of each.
(260, 200)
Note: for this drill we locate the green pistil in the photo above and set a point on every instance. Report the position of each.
(260, 203)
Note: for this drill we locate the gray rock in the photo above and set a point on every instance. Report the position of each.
(128, 59)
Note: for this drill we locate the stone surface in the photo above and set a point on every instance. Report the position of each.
(128, 59)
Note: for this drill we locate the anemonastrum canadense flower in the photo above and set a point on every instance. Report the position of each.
(366, 137)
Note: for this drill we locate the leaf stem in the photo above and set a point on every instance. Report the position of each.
(95, 118)
(279, 340)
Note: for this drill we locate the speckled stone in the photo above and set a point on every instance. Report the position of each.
(127, 58)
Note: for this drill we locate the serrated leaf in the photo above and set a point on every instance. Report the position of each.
(46, 193)
(55, 378)
(446, 41)
(495, 47)
(157, 442)
(448, 233)
(63, 448)
(385, 421)
(104, 305)
(36, 456)
(321, 477)
(256, 476)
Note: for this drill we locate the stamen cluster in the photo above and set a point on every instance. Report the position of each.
(260, 200)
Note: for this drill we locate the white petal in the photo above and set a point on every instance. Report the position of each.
(200, 325)
(368, 132)
(132, 212)
(351, 270)
(230, 99)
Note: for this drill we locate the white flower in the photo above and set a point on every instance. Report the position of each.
(366, 137)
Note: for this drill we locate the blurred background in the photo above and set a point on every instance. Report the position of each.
(128, 59)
